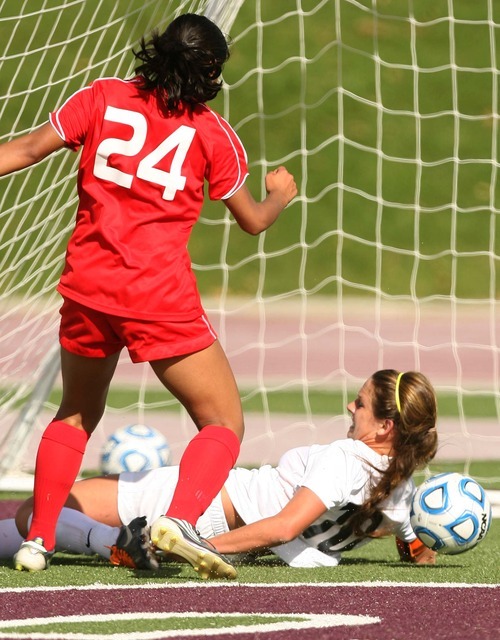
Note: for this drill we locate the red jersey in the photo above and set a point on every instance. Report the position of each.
(141, 186)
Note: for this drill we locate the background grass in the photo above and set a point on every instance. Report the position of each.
(396, 169)
(393, 195)
(322, 402)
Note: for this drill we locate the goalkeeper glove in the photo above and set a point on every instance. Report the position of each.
(415, 552)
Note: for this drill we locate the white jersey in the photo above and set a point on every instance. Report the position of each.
(340, 474)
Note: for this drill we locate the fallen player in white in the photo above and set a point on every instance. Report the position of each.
(318, 502)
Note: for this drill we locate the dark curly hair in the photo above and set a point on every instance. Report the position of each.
(411, 404)
(184, 63)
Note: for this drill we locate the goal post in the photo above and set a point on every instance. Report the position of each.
(386, 113)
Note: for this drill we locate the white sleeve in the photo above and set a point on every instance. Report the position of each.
(332, 473)
(298, 554)
(396, 510)
(405, 531)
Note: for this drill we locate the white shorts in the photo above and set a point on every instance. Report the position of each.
(149, 493)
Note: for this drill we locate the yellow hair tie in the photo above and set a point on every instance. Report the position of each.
(396, 393)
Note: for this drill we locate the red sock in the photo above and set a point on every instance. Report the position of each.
(204, 468)
(58, 462)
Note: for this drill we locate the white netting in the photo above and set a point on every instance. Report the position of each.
(387, 113)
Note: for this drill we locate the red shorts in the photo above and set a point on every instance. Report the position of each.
(94, 334)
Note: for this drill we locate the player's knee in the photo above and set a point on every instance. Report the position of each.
(86, 421)
(239, 431)
(235, 426)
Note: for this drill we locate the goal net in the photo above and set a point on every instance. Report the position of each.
(386, 113)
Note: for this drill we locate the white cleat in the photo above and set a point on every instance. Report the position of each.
(172, 535)
(32, 556)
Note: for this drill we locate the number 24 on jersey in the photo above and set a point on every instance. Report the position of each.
(180, 140)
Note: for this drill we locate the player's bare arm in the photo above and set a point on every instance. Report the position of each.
(28, 149)
(303, 509)
(255, 217)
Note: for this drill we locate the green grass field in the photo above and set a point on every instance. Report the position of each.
(377, 561)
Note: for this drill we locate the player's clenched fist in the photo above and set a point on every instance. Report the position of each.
(281, 181)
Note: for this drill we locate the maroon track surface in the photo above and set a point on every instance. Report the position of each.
(406, 612)
(412, 613)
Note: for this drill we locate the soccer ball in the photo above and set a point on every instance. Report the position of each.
(450, 513)
(136, 447)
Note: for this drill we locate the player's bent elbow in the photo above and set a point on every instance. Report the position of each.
(253, 229)
(287, 532)
(255, 224)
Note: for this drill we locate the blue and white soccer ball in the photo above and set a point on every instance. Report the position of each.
(450, 513)
(136, 447)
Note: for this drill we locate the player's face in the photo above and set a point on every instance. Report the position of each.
(364, 424)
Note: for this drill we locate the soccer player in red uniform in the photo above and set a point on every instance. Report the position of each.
(148, 144)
